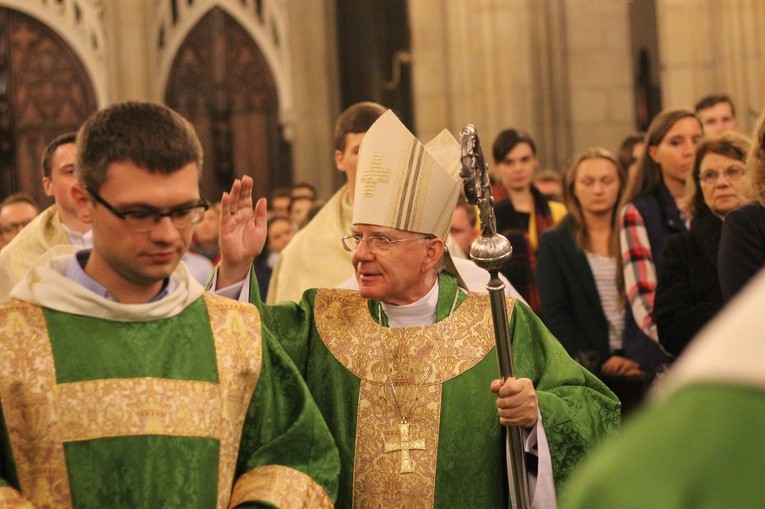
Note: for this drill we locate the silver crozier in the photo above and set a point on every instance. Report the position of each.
(491, 251)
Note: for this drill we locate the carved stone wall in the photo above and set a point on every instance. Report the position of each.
(45, 91)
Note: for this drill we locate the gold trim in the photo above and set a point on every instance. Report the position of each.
(138, 406)
(239, 350)
(41, 416)
(281, 487)
(342, 317)
(27, 379)
(354, 338)
(12, 499)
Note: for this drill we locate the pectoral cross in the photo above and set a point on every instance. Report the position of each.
(405, 445)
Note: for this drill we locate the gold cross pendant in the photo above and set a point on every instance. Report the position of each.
(405, 445)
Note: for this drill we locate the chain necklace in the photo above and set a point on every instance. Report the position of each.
(405, 444)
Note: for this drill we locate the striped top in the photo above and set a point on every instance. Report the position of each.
(604, 273)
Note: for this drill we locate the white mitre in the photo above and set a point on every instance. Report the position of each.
(403, 184)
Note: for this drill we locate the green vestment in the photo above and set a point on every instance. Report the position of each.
(193, 406)
(699, 441)
(453, 441)
(701, 448)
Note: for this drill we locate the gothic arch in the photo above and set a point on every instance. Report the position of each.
(44, 91)
(265, 21)
(79, 25)
(221, 82)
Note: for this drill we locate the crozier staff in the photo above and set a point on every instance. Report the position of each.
(401, 368)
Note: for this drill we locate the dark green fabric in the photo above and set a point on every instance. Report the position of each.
(178, 348)
(288, 431)
(143, 472)
(701, 448)
(282, 425)
(577, 408)
(471, 445)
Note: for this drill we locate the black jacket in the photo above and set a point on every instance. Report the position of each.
(688, 292)
(570, 302)
(742, 248)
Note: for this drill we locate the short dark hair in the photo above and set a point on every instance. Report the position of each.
(713, 99)
(47, 156)
(357, 118)
(624, 155)
(507, 140)
(149, 135)
(20, 197)
(303, 185)
(728, 144)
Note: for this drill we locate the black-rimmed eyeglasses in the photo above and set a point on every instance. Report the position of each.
(142, 220)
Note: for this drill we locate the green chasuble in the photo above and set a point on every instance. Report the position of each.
(189, 407)
(701, 448)
(699, 442)
(367, 379)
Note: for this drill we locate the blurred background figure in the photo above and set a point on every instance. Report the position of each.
(695, 444)
(550, 184)
(742, 244)
(649, 217)
(523, 212)
(279, 234)
(630, 152)
(577, 273)
(688, 289)
(279, 202)
(58, 229)
(303, 190)
(299, 209)
(464, 225)
(205, 239)
(16, 211)
(717, 114)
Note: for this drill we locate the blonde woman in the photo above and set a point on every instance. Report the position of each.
(577, 273)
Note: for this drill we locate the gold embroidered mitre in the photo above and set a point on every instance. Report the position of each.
(404, 184)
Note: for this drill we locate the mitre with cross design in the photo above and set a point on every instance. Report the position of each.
(403, 184)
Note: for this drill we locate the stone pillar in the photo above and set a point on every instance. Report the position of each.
(316, 101)
(557, 68)
(713, 46)
(128, 39)
(600, 82)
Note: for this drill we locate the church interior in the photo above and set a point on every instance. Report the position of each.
(263, 80)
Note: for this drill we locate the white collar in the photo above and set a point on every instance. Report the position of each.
(420, 312)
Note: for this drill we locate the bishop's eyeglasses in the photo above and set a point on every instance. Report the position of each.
(375, 243)
(141, 220)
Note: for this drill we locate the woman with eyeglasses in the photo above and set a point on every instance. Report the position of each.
(688, 291)
(742, 245)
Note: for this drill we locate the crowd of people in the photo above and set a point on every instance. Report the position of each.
(178, 341)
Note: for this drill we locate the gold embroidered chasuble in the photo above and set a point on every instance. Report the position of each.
(44, 417)
(384, 448)
(348, 363)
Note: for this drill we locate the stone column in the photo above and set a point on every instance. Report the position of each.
(557, 68)
(713, 46)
